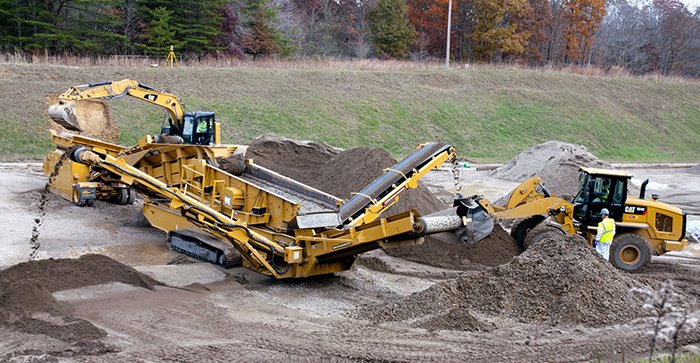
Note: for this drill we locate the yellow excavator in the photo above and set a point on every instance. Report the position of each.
(198, 128)
(218, 205)
(643, 227)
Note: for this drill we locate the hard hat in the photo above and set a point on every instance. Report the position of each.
(605, 211)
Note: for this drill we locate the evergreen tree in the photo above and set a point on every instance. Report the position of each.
(391, 31)
(159, 36)
(262, 39)
(197, 24)
(83, 27)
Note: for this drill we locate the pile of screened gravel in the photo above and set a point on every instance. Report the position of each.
(334, 171)
(445, 250)
(560, 281)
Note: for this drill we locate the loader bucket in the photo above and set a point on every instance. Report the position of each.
(63, 114)
(481, 224)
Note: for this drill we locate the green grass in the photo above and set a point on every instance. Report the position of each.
(489, 114)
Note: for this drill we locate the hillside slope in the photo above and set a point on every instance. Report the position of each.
(488, 114)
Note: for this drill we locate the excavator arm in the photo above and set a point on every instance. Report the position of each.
(63, 112)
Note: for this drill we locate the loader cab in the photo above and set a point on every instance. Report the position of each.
(598, 189)
(197, 128)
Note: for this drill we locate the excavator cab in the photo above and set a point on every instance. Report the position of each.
(598, 189)
(198, 128)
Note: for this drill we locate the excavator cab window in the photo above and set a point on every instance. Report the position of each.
(204, 130)
(188, 129)
(198, 129)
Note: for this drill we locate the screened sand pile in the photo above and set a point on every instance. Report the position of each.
(560, 281)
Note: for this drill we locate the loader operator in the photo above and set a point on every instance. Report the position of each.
(606, 232)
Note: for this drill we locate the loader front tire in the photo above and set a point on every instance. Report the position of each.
(629, 252)
(520, 232)
(540, 233)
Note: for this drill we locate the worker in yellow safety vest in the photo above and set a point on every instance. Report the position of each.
(606, 232)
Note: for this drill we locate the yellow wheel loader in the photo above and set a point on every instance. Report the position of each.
(643, 227)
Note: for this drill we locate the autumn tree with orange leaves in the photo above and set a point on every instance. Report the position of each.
(429, 17)
(583, 20)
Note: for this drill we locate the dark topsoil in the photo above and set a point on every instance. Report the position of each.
(25, 290)
(341, 173)
(559, 281)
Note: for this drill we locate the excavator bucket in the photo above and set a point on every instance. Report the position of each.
(64, 115)
(481, 224)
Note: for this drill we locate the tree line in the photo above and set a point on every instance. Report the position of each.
(661, 36)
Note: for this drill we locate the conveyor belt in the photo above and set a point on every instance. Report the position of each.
(395, 175)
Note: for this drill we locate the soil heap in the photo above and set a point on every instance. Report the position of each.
(559, 281)
(445, 250)
(68, 273)
(556, 162)
(25, 290)
(336, 172)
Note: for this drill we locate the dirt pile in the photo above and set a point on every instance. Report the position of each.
(67, 273)
(293, 158)
(445, 250)
(27, 297)
(27, 305)
(333, 171)
(556, 162)
(560, 281)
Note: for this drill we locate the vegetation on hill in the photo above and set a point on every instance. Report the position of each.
(489, 114)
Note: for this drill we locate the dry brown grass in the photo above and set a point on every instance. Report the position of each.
(325, 63)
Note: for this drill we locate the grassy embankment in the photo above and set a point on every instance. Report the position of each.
(488, 114)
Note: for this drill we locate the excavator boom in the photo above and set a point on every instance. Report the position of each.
(63, 113)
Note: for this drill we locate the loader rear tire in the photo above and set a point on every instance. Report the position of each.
(630, 252)
(540, 233)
